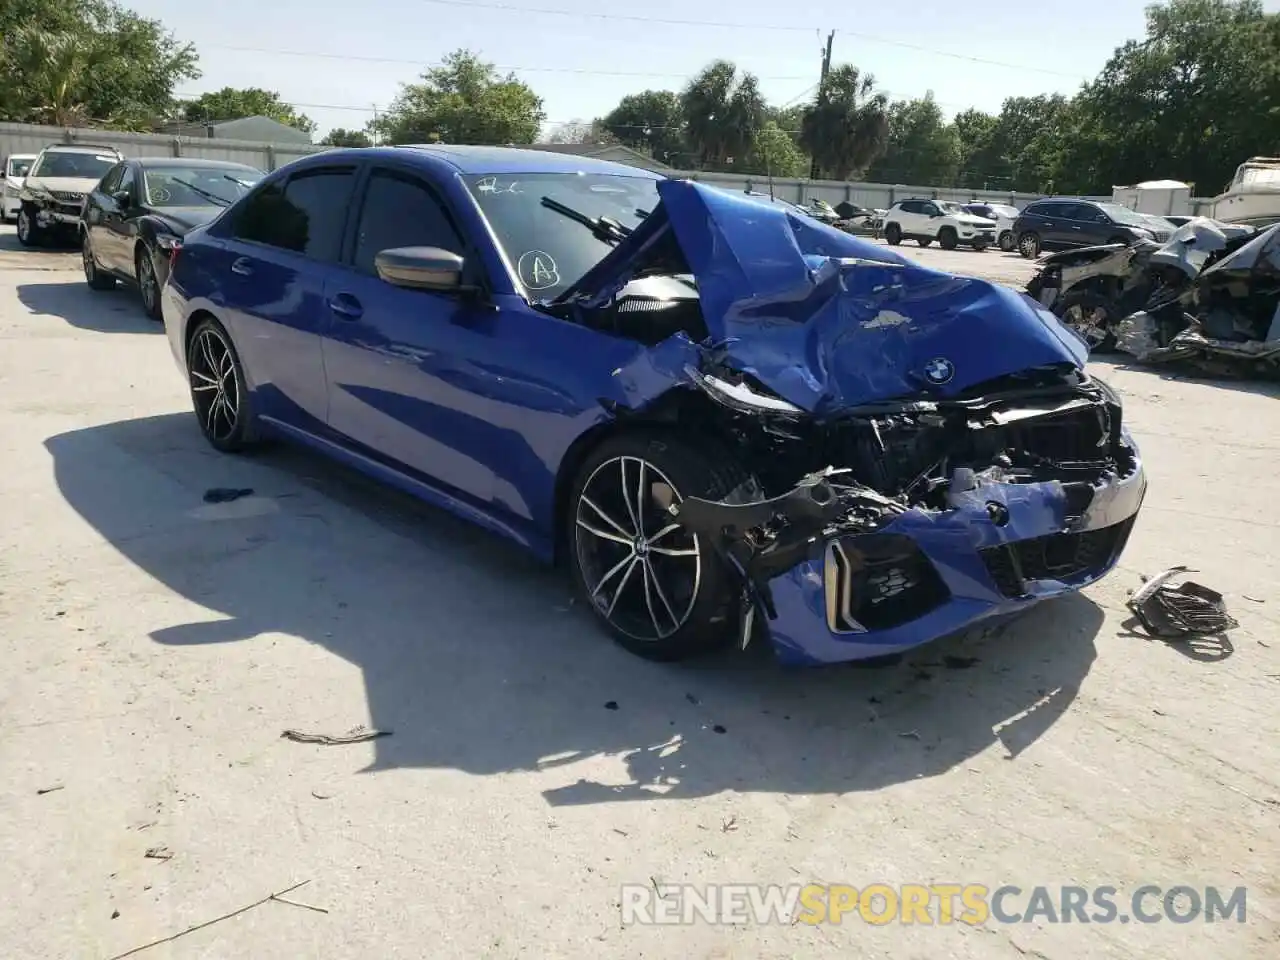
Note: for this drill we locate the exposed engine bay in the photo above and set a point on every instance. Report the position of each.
(856, 473)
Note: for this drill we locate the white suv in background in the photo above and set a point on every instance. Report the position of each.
(16, 166)
(925, 221)
(56, 185)
(1003, 214)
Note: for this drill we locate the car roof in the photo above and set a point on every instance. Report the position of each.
(472, 160)
(95, 148)
(187, 163)
(22, 156)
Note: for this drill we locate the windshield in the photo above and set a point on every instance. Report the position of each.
(948, 207)
(1003, 210)
(196, 186)
(83, 166)
(18, 168)
(548, 250)
(1124, 215)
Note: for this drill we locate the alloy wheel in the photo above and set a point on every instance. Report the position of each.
(90, 268)
(24, 226)
(215, 390)
(640, 569)
(147, 283)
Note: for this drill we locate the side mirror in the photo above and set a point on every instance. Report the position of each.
(420, 268)
(122, 197)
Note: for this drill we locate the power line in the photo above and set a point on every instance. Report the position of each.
(671, 21)
(348, 57)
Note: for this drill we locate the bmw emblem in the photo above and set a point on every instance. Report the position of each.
(939, 370)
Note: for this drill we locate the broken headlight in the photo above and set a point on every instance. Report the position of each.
(741, 396)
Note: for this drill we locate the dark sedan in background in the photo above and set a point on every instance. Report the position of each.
(141, 210)
(1060, 223)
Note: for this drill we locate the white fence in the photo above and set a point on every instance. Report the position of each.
(24, 138)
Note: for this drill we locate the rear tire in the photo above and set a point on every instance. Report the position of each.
(924, 241)
(893, 234)
(947, 238)
(96, 279)
(1029, 245)
(980, 245)
(661, 591)
(1006, 241)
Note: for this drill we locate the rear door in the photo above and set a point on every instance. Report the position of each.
(285, 239)
(98, 209)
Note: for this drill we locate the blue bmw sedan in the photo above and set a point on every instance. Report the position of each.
(731, 421)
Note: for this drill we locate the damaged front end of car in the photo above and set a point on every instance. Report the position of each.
(923, 452)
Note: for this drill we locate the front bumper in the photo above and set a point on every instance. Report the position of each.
(999, 550)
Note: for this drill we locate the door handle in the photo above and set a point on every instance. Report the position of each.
(346, 307)
(242, 267)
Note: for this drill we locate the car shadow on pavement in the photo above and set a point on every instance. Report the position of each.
(9, 244)
(474, 655)
(1183, 374)
(105, 311)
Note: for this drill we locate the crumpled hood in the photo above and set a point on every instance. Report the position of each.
(62, 184)
(829, 321)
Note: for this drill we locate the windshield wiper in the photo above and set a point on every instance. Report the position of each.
(605, 228)
(220, 201)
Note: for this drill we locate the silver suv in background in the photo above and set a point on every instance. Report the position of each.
(52, 196)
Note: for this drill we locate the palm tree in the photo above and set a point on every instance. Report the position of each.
(722, 113)
(53, 68)
(848, 127)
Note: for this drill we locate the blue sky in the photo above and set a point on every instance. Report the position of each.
(581, 65)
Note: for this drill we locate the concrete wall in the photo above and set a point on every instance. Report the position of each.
(23, 138)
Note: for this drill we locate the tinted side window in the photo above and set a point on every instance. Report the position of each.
(1047, 210)
(306, 215)
(909, 206)
(401, 212)
(129, 182)
(111, 182)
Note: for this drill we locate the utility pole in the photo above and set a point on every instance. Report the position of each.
(822, 84)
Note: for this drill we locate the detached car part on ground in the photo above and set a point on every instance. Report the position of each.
(1210, 296)
(746, 424)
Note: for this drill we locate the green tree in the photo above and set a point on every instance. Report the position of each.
(580, 131)
(1193, 99)
(652, 121)
(722, 112)
(979, 162)
(463, 101)
(774, 152)
(1027, 146)
(82, 61)
(923, 147)
(232, 103)
(339, 137)
(848, 126)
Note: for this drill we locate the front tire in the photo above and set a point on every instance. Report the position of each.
(30, 233)
(1092, 316)
(924, 241)
(662, 591)
(219, 394)
(893, 234)
(947, 238)
(148, 283)
(96, 279)
(980, 245)
(1029, 245)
